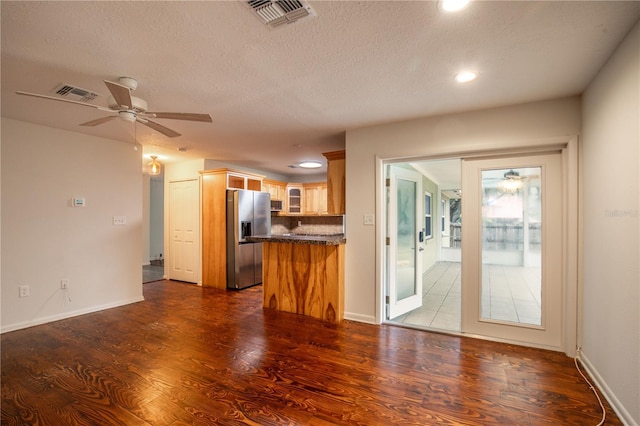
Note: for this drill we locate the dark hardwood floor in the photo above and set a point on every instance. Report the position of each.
(191, 355)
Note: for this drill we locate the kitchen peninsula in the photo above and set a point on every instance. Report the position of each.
(304, 274)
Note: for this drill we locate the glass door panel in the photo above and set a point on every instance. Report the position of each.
(405, 220)
(511, 286)
(512, 249)
(406, 237)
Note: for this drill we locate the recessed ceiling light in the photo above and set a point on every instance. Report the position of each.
(465, 76)
(453, 5)
(310, 164)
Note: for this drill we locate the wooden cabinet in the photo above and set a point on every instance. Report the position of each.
(299, 198)
(295, 199)
(315, 198)
(336, 182)
(277, 189)
(236, 180)
(214, 225)
(306, 279)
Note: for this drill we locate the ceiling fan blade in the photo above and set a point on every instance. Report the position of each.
(98, 121)
(159, 127)
(122, 94)
(53, 98)
(181, 116)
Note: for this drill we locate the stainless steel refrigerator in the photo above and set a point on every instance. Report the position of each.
(248, 213)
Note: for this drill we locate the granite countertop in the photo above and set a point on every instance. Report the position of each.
(328, 240)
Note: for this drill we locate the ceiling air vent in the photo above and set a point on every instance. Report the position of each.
(275, 13)
(75, 93)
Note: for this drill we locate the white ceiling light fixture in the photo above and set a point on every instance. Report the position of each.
(453, 5)
(127, 116)
(310, 164)
(465, 76)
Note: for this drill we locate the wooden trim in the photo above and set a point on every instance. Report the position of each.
(335, 155)
(232, 171)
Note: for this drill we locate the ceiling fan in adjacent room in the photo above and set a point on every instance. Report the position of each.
(127, 107)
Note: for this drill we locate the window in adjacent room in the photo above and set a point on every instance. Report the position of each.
(428, 232)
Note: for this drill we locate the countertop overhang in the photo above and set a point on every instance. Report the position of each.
(328, 240)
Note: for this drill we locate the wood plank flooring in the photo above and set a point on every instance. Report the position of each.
(192, 355)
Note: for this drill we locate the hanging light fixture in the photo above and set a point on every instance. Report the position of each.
(512, 182)
(154, 167)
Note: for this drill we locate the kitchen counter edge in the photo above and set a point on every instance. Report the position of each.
(324, 240)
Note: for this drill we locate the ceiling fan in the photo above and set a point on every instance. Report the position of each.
(130, 108)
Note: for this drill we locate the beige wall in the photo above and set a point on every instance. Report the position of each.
(611, 188)
(449, 135)
(45, 240)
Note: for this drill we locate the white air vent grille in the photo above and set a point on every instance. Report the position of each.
(275, 13)
(75, 93)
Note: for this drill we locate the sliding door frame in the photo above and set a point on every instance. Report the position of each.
(571, 223)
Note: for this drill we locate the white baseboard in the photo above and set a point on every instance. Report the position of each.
(369, 319)
(65, 315)
(616, 405)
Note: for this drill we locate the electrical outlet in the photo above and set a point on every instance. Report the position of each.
(24, 291)
(64, 284)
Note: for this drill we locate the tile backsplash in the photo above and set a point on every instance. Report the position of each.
(307, 224)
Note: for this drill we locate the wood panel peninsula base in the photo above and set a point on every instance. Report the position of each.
(304, 275)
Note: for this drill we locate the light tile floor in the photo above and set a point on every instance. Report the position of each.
(152, 273)
(512, 294)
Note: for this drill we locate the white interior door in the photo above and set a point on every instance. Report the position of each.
(404, 290)
(184, 231)
(512, 281)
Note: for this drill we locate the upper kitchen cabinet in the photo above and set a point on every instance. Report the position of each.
(295, 198)
(241, 180)
(315, 198)
(277, 189)
(336, 181)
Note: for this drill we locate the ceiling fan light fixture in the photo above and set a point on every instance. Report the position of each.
(310, 164)
(127, 116)
(511, 182)
(154, 167)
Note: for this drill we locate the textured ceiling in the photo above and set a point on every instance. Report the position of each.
(281, 96)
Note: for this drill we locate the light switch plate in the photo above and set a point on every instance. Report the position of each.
(369, 219)
(119, 220)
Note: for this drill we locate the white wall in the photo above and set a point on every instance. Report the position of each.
(500, 128)
(45, 240)
(611, 159)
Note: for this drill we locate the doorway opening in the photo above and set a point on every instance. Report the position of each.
(438, 245)
(503, 280)
(153, 268)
